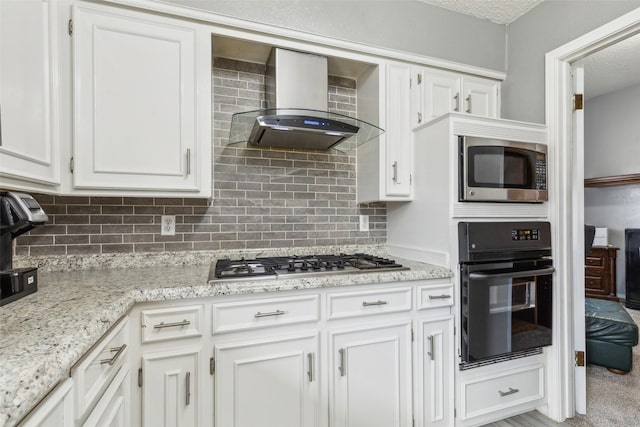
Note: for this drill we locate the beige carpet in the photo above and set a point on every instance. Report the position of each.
(612, 400)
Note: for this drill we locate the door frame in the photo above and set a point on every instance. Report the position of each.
(564, 212)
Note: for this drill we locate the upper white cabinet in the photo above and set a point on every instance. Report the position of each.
(435, 93)
(385, 165)
(29, 150)
(141, 86)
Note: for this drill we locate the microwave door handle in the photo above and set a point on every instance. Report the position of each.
(511, 274)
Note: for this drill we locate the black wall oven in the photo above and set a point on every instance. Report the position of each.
(506, 289)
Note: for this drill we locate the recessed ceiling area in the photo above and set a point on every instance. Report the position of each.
(614, 68)
(498, 11)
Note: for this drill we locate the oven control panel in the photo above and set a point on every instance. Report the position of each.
(525, 234)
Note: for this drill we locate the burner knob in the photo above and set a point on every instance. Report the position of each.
(328, 265)
(304, 266)
(292, 266)
(315, 265)
(340, 264)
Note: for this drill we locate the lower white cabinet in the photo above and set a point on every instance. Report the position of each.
(114, 408)
(270, 381)
(370, 379)
(56, 410)
(171, 388)
(435, 373)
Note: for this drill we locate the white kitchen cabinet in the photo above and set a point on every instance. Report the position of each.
(435, 373)
(435, 93)
(113, 409)
(268, 382)
(141, 85)
(56, 410)
(29, 143)
(171, 394)
(385, 164)
(370, 376)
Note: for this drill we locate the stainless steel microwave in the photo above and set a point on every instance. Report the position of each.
(495, 170)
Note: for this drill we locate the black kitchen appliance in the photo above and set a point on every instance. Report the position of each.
(632, 270)
(506, 290)
(19, 213)
(296, 266)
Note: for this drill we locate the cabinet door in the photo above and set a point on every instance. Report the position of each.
(441, 92)
(436, 370)
(56, 410)
(370, 378)
(171, 395)
(28, 120)
(114, 408)
(481, 96)
(399, 158)
(267, 383)
(136, 100)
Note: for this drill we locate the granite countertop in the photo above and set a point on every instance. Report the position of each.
(44, 334)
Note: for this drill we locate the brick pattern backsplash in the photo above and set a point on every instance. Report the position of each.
(263, 198)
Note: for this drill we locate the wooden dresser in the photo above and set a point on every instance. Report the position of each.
(600, 273)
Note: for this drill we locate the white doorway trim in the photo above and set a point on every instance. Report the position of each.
(565, 212)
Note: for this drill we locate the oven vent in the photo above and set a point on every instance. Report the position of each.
(493, 360)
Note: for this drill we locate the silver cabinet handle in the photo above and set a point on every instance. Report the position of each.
(507, 393)
(443, 296)
(112, 360)
(162, 325)
(419, 117)
(430, 352)
(188, 393)
(343, 367)
(271, 313)
(457, 99)
(310, 372)
(188, 161)
(367, 304)
(395, 172)
(468, 99)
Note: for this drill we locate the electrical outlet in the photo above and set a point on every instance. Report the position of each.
(168, 225)
(364, 222)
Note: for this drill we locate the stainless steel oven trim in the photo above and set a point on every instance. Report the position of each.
(470, 194)
(511, 274)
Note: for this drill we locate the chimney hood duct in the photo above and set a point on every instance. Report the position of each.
(296, 93)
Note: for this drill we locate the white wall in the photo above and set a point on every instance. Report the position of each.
(612, 147)
(549, 25)
(403, 25)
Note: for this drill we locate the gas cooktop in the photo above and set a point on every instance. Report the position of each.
(274, 267)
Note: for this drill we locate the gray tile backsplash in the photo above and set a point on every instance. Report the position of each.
(263, 198)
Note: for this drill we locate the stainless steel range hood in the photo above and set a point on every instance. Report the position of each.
(296, 86)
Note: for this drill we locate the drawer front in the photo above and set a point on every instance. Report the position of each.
(593, 283)
(594, 261)
(171, 323)
(363, 303)
(513, 388)
(94, 373)
(113, 408)
(260, 313)
(432, 296)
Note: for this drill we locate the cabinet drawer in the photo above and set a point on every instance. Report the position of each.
(432, 296)
(594, 261)
(114, 406)
(512, 388)
(171, 323)
(260, 313)
(593, 283)
(95, 371)
(364, 303)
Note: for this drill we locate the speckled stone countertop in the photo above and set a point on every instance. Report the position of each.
(44, 334)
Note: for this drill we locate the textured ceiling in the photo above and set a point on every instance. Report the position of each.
(612, 69)
(499, 11)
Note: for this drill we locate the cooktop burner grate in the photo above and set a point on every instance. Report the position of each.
(272, 267)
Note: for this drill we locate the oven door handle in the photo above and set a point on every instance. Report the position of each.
(511, 274)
